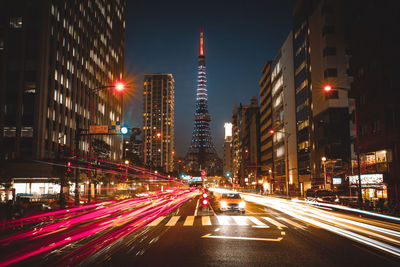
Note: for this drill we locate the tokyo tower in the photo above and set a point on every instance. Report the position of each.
(201, 154)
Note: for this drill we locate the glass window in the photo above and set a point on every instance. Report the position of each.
(16, 22)
(329, 51)
(331, 72)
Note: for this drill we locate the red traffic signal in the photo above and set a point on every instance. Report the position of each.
(327, 88)
(69, 165)
(205, 195)
(205, 202)
(271, 131)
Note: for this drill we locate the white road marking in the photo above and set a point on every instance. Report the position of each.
(173, 221)
(216, 230)
(223, 220)
(156, 221)
(243, 238)
(189, 221)
(197, 207)
(240, 220)
(205, 220)
(272, 221)
(292, 223)
(257, 222)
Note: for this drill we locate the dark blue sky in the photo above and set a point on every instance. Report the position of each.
(240, 36)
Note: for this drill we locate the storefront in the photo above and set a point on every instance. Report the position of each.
(36, 187)
(372, 185)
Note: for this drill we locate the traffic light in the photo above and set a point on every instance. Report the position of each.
(204, 200)
(69, 166)
(124, 130)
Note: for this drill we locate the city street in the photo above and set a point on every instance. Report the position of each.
(172, 229)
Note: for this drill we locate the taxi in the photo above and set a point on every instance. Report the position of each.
(231, 202)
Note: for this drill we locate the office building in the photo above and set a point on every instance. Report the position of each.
(158, 122)
(53, 55)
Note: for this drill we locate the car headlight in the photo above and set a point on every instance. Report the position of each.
(224, 204)
(319, 199)
(336, 199)
(242, 205)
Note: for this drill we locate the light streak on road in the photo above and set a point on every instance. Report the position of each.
(95, 226)
(377, 234)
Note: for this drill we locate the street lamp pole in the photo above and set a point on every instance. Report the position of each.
(328, 88)
(324, 162)
(119, 86)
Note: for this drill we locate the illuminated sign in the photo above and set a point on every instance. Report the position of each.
(228, 129)
(203, 173)
(336, 180)
(367, 179)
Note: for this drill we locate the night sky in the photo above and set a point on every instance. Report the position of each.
(240, 36)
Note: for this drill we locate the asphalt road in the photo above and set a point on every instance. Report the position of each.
(172, 229)
(263, 237)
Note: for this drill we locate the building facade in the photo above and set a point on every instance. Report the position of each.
(158, 122)
(284, 120)
(374, 63)
(323, 119)
(53, 55)
(266, 139)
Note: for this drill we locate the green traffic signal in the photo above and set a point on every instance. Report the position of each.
(124, 130)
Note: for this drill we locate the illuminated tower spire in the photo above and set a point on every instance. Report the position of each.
(201, 153)
(201, 43)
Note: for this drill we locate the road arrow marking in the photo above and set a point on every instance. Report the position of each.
(243, 238)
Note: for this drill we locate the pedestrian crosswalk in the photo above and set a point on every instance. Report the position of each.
(225, 220)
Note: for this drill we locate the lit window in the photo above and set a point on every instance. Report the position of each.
(16, 22)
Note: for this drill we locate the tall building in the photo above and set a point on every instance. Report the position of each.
(284, 119)
(227, 158)
(158, 121)
(236, 143)
(202, 154)
(246, 143)
(250, 143)
(53, 54)
(266, 139)
(321, 57)
(374, 63)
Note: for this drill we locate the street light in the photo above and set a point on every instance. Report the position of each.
(119, 86)
(324, 162)
(328, 88)
(272, 131)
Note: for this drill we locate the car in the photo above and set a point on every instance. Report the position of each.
(231, 202)
(322, 196)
